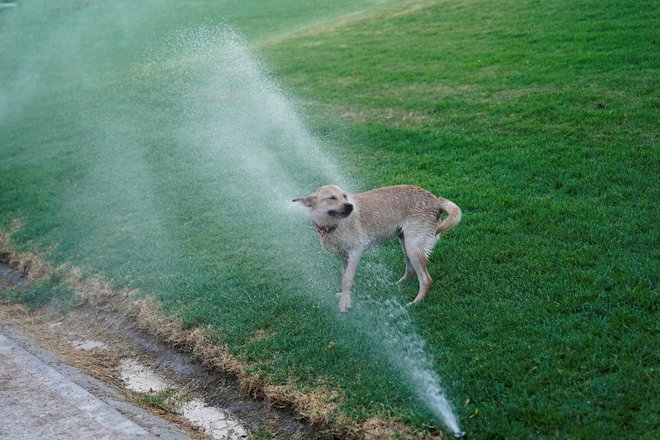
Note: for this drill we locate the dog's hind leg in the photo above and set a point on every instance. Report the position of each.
(410, 271)
(418, 251)
(419, 263)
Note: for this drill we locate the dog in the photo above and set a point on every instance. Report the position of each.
(349, 224)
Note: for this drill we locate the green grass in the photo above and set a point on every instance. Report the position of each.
(53, 290)
(538, 118)
(161, 400)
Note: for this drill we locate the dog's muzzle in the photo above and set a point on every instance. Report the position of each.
(346, 210)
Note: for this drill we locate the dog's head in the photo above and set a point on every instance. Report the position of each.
(328, 203)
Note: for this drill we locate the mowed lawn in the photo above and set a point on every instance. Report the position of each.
(538, 118)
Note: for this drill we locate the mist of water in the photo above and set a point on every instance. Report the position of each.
(232, 113)
(231, 127)
(274, 157)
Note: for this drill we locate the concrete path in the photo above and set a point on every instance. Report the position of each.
(43, 398)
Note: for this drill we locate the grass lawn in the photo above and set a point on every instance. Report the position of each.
(145, 142)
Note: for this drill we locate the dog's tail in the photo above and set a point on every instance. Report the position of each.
(453, 214)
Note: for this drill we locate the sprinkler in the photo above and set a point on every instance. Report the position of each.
(460, 434)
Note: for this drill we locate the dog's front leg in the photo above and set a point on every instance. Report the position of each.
(350, 264)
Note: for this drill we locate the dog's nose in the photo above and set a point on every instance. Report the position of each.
(348, 208)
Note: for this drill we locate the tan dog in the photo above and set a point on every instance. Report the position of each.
(350, 223)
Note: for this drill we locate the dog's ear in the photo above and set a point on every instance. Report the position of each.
(308, 201)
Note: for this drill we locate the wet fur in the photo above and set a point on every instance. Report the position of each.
(348, 224)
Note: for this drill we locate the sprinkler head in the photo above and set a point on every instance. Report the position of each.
(460, 434)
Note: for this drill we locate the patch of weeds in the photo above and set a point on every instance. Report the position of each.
(162, 400)
(262, 434)
(10, 294)
(53, 289)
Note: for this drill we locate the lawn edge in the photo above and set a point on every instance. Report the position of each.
(319, 406)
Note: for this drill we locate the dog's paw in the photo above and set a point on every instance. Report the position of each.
(344, 305)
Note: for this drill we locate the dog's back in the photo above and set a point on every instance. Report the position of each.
(386, 211)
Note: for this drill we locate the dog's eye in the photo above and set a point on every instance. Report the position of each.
(333, 198)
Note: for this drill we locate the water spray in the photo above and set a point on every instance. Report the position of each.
(407, 351)
(245, 141)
